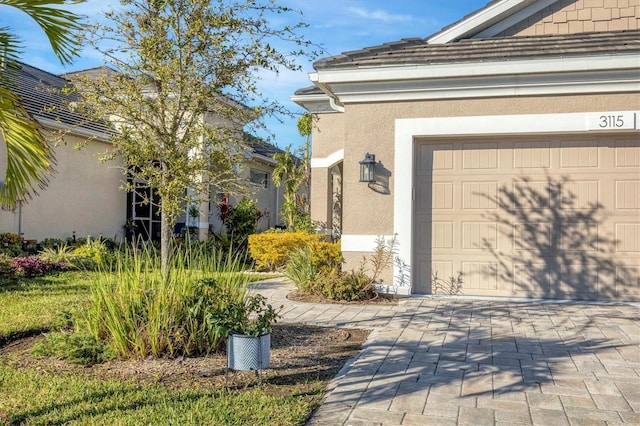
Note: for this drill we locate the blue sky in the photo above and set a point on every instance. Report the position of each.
(338, 26)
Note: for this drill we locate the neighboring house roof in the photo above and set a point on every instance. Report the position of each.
(261, 149)
(43, 96)
(419, 51)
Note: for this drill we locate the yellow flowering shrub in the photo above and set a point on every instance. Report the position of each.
(326, 255)
(270, 251)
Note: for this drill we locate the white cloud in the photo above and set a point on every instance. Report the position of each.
(379, 15)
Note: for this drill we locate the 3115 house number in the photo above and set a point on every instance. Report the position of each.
(623, 120)
(611, 121)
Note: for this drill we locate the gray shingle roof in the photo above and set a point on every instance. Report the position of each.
(260, 146)
(42, 96)
(414, 51)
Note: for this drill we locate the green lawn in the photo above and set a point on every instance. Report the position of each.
(28, 306)
(38, 397)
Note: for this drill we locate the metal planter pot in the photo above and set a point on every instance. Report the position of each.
(248, 352)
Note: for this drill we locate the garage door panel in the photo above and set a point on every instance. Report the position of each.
(480, 156)
(479, 235)
(574, 154)
(628, 281)
(532, 236)
(627, 194)
(627, 154)
(479, 195)
(556, 217)
(628, 237)
(532, 155)
(532, 278)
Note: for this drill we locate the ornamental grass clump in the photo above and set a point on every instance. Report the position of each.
(140, 315)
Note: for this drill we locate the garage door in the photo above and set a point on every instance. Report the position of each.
(548, 217)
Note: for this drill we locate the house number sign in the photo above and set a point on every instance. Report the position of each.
(613, 121)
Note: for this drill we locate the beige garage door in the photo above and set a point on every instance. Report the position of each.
(547, 217)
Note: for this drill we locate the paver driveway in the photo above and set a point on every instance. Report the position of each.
(442, 361)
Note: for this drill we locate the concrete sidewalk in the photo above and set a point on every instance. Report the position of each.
(444, 361)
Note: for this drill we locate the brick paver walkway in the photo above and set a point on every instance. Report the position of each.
(442, 361)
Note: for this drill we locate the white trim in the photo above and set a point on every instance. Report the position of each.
(480, 20)
(514, 19)
(429, 92)
(361, 243)
(327, 162)
(477, 69)
(314, 103)
(77, 130)
(392, 290)
(334, 105)
(407, 130)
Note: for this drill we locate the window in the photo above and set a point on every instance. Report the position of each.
(259, 177)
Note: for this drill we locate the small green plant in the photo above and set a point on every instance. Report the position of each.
(347, 286)
(252, 316)
(240, 221)
(302, 270)
(6, 266)
(52, 243)
(11, 244)
(61, 254)
(76, 348)
(93, 254)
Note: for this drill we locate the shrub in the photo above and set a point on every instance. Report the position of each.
(11, 239)
(76, 348)
(316, 269)
(60, 255)
(347, 286)
(50, 243)
(140, 315)
(302, 270)
(6, 265)
(306, 263)
(92, 255)
(240, 220)
(31, 266)
(326, 255)
(11, 244)
(251, 316)
(270, 251)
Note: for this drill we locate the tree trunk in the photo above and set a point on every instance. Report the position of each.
(165, 232)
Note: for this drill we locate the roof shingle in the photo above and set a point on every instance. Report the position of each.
(415, 51)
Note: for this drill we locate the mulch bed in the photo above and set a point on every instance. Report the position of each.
(300, 355)
(381, 299)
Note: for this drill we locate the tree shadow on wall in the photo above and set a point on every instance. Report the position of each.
(563, 247)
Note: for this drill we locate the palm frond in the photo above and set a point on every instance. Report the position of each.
(59, 25)
(29, 158)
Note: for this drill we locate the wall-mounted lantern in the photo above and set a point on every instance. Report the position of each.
(368, 168)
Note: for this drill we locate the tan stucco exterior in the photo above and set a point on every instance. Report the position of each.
(83, 196)
(371, 128)
(576, 95)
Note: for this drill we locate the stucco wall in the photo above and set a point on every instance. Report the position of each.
(577, 16)
(368, 210)
(328, 135)
(83, 196)
(328, 138)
